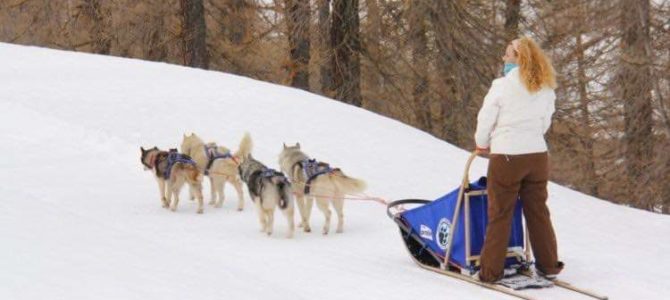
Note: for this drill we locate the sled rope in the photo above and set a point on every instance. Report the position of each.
(361, 197)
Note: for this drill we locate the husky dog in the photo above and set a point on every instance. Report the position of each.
(268, 189)
(315, 180)
(219, 164)
(172, 170)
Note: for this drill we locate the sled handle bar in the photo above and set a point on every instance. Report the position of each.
(393, 204)
(466, 174)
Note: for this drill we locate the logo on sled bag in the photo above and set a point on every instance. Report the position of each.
(426, 233)
(442, 234)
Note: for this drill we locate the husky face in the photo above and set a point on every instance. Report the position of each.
(147, 155)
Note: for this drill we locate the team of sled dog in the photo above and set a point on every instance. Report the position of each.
(308, 180)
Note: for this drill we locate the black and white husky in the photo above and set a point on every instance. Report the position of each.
(312, 180)
(268, 189)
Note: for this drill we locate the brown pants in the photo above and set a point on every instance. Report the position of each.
(510, 176)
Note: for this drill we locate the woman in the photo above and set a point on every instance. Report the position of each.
(510, 127)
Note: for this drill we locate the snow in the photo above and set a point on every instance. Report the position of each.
(81, 219)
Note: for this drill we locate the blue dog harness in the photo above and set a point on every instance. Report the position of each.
(213, 154)
(313, 169)
(176, 157)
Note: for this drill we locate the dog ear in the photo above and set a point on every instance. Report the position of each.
(284, 145)
(142, 149)
(298, 145)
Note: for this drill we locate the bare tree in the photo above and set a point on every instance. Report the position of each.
(344, 40)
(420, 58)
(512, 17)
(634, 84)
(194, 34)
(298, 21)
(325, 53)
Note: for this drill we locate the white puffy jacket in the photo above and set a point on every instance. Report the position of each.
(512, 120)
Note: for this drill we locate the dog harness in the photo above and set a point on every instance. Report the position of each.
(313, 169)
(213, 154)
(173, 158)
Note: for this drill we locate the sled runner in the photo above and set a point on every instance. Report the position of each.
(446, 236)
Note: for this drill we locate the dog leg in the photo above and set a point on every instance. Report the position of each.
(169, 194)
(161, 191)
(270, 215)
(289, 212)
(173, 193)
(338, 203)
(220, 185)
(261, 214)
(309, 202)
(237, 183)
(322, 203)
(198, 193)
(300, 199)
(212, 190)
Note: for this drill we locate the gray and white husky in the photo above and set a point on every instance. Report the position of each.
(268, 189)
(324, 186)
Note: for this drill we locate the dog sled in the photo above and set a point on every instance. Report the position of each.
(446, 236)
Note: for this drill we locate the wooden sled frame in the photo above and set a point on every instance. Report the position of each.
(413, 241)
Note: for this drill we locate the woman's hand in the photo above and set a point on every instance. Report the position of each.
(482, 151)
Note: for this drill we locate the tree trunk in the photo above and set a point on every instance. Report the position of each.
(298, 22)
(102, 43)
(371, 40)
(156, 48)
(450, 93)
(325, 53)
(512, 16)
(194, 34)
(418, 41)
(590, 176)
(635, 90)
(238, 31)
(344, 40)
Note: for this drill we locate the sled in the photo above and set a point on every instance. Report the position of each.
(446, 236)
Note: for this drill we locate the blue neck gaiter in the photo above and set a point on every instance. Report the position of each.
(508, 67)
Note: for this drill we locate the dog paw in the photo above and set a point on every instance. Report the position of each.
(200, 211)
(240, 209)
(218, 205)
(269, 233)
(173, 209)
(339, 230)
(307, 229)
(211, 202)
(324, 231)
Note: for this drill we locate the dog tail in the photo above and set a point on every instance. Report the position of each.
(245, 146)
(284, 190)
(348, 185)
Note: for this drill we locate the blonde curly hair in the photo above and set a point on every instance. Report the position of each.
(534, 65)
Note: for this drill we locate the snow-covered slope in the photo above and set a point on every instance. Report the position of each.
(80, 219)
